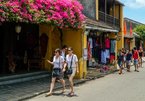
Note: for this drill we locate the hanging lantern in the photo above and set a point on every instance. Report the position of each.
(18, 30)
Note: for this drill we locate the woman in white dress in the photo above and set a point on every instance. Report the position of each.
(72, 65)
(58, 64)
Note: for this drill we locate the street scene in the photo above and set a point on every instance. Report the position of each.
(72, 50)
(128, 87)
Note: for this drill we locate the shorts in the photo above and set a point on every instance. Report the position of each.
(57, 73)
(128, 62)
(135, 61)
(120, 64)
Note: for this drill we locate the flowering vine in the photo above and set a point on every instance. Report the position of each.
(62, 13)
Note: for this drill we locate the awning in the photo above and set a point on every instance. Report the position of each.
(102, 29)
(136, 35)
(100, 26)
(128, 36)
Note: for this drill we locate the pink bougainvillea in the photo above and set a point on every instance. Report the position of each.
(61, 13)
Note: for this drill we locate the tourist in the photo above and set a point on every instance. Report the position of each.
(128, 60)
(72, 68)
(58, 63)
(120, 61)
(140, 56)
(136, 57)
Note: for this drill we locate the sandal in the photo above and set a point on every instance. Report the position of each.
(48, 94)
(71, 94)
(63, 91)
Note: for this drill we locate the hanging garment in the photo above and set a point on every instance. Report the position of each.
(107, 43)
(89, 51)
(107, 53)
(113, 46)
(90, 40)
(103, 57)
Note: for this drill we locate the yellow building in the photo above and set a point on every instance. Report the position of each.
(104, 19)
(131, 39)
(69, 37)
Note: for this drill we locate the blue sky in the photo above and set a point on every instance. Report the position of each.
(134, 9)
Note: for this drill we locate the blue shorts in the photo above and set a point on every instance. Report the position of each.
(120, 64)
(135, 61)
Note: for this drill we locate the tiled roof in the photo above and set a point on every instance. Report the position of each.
(99, 25)
(118, 2)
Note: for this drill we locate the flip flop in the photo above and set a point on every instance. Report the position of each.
(48, 94)
(71, 94)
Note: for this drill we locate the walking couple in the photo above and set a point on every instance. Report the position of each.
(59, 67)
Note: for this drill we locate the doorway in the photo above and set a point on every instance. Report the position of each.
(14, 46)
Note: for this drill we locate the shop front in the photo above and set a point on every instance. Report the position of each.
(101, 45)
(128, 43)
(19, 43)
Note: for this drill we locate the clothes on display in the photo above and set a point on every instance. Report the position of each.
(103, 57)
(90, 40)
(107, 43)
(112, 57)
(107, 53)
(113, 46)
(101, 48)
(89, 51)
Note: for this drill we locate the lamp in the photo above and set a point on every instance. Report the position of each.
(87, 32)
(18, 30)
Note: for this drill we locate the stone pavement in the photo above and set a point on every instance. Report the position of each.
(25, 90)
(130, 86)
(20, 91)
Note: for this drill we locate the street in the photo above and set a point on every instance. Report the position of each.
(114, 87)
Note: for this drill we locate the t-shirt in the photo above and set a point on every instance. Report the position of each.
(113, 45)
(135, 55)
(72, 58)
(58, 62)
(128, 56)
(107, 43)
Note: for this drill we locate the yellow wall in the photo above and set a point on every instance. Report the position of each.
(120, 43)
(44, 28)
(73, 38)
(77, 40)
(53, 42)
(97, 10)
(117, 11)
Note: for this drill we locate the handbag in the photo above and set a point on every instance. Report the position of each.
(69, 70)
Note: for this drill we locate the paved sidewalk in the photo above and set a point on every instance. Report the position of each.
(20, 91)
(26, 90)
